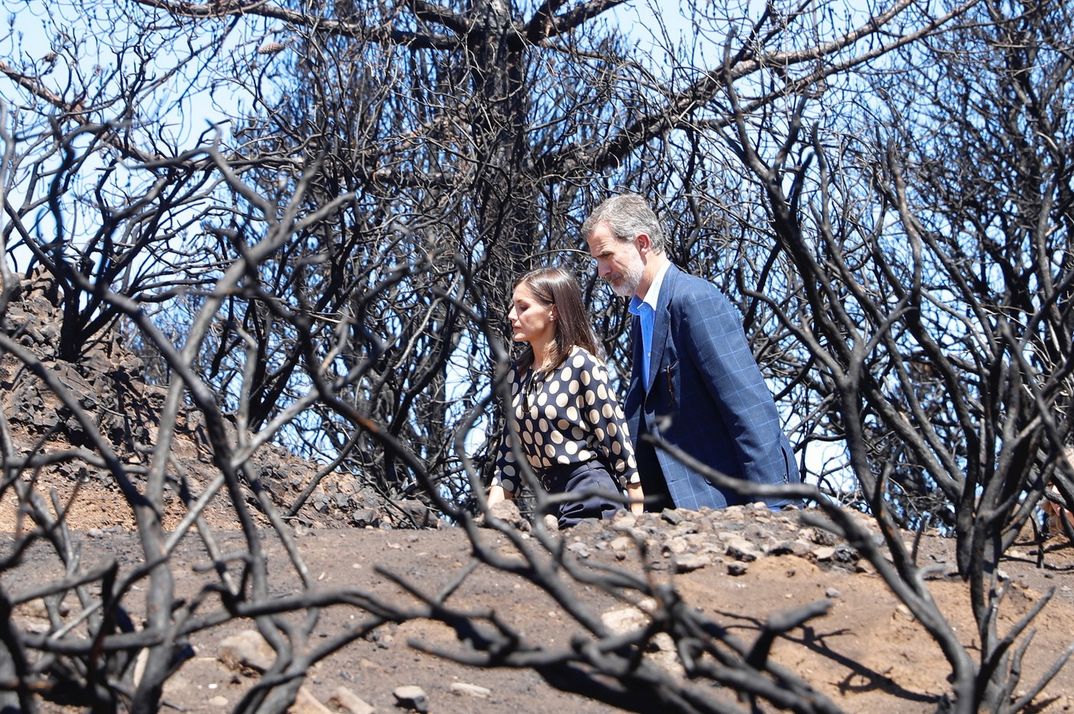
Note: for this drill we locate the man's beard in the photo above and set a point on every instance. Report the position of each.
(629, 282)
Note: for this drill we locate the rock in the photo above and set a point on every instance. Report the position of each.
(365, 517)
(672, 516)
(685, 528)
(737, 568)
(579, 548)
(35, 608)
(411, 697)
(218, 701)
(676, 546)
(246, 650)
(350, 702)
(418, 512)
(823, 537)
(662, 642)
(662, 651)
(306, 703)
(621, 544)
(382, 638)
(754, 532)
(624, 620)
(902, 611)
(741, 549)
(824, 553)
(470, 689)
(507, 511)
(35, 627)
(833, 593)
(845, 554)
(733, 513)
(690, 561)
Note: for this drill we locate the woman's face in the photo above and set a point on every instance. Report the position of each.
(531, 320)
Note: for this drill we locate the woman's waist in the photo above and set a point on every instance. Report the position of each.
(549, 476)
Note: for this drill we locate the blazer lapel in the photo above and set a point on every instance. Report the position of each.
(662, 318)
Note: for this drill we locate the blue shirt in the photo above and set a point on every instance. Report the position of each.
(645, 310)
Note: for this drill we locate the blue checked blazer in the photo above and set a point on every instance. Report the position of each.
(705, 395)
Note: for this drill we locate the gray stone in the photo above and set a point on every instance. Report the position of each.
(754, 531)
(382, 638)
(624, 620)
(691, 561)
(672, 516)
(845, 554)
(507, 511)
(741, 549)
(823, 537)
(737, 568)
(579, 548)
(662, 642)
(365, 517)
(246, 650)
(676, 546)
(733, 513)
(418, 512)
(472, 690)
(824, 553)
(411, 697)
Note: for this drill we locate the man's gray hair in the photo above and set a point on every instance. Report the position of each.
(627, 215)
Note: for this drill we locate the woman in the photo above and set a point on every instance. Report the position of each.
(569, 425)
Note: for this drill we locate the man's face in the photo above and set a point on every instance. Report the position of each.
(619, 262)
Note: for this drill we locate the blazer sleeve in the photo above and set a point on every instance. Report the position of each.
(712, 328)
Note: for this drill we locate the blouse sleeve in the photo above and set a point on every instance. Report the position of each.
(507, 473)
(604, 417)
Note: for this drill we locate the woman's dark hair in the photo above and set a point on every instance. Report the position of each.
(557, 287)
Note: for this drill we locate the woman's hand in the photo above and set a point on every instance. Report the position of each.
(637, 498)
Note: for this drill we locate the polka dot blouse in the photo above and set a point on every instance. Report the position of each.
(568, 415)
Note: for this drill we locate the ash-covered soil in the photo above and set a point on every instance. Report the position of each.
(738, 567)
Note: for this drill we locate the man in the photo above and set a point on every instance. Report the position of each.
(693, 379)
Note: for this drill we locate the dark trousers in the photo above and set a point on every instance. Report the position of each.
(571, 478)
(657, 496)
